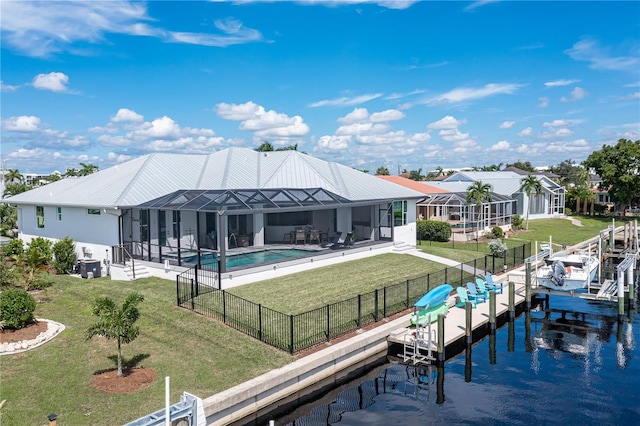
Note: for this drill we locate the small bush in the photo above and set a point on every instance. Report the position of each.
(43, 246)
(14, 248)
(64, 252)
(9, 275)
(433, 230)
(568, 211)
(16, 308)
(497, 247)
(517, 222)
(497, 232)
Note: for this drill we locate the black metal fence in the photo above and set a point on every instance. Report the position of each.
(197, 289)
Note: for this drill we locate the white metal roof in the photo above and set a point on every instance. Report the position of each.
(154, 175)
(502, 182)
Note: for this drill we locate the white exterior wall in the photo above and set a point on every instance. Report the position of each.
(407, 233)
(258, 229)
(343, 220)
(94, 235)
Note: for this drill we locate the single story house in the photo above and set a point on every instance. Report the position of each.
(506, 186)
(180, 209)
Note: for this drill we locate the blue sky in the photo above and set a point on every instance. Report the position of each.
(400, 84)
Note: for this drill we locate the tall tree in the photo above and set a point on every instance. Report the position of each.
(570, 174)
(13, 176)
(382, 171)
(530, 184)
(265, 147)
(71, 172)
(477, 193)
(116, 322)
(619, 167)
(87, 169)
(523, 165)
(15, 188)
(8, 220)
(416, 174)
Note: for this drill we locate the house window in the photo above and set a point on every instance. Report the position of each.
(93, 211)
(399, 213)
(40, 216)
(59, 213)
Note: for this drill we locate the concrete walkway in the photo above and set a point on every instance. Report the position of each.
(575, 221)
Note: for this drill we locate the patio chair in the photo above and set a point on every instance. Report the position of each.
(492, 285)
(339, 241)
(473, 291)
(464, 298)
(314, 236)
(484, 287)
(301, 236)
(287, 238)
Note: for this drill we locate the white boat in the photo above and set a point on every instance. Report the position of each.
(566, 272)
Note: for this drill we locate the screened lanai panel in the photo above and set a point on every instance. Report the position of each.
(198, 202)
(254, 199)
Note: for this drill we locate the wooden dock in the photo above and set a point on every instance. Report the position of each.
(455, 327)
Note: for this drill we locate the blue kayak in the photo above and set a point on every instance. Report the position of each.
(432, 304)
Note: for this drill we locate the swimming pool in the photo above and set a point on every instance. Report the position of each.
(583, 372)
(253, 258)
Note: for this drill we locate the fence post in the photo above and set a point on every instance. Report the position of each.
(260, 321)
(384, 302)
(224, 307)
(377, 307)
(445, 275)
(328, 323)
(192, 297)
(428, 283)
(359, 310)
(461, 273)
(407, 305)
(178, 291)
(475, 267)
(493, 264)
(195, 270)
(291, 333)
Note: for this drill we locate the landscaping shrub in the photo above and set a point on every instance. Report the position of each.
(14, 248)
(16, 308)
(517, 222)
(568, 211)
(43, 246)
(9, 275)
(497, 232)
(433, 230)
(497, 247)
(64, 253)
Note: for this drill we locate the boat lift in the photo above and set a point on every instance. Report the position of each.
(418, 346)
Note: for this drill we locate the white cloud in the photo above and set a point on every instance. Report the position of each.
(557, 83)
(446, 122)
(526, 132)
(125, 114)
(43, 28)
(453, 135)
(346, 101)
(332, 143)
(544, 102)
(578, 145)
(478, 4)
(561, 123)
(631, 96)
(500, 146)
(506, 124)
(7, 87)
(599, 57)
(54, 81)
(163, 128)
(557, 133)
(391, 4)
(463, 94)
(265, 124)
(358, 115)
(388, 115)
(23, 123)
(576, 94)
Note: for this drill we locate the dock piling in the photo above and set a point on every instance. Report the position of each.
(492, 312)
(441, 356)
(468, 330)
(512, 300)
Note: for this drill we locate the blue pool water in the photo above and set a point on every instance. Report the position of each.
(258, 257)
(572, 365)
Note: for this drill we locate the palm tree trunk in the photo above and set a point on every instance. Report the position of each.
(119, 359)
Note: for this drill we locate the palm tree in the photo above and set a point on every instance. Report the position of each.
(477, 193)
(87, 169)
(528, 185)
(13, 176)
(71, 172)
(382, 171)
(116, 323)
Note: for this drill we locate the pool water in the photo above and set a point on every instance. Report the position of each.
(259, 257)
(569, 365)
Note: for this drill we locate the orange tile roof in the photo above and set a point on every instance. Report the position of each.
(412, 184)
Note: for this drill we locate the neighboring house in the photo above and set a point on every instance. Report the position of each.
(451, 207)
(549, 203)
(178, 208)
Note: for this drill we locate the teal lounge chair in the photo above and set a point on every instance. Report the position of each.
(491, 285)
(475, 293)
(483, 287)
(464, 298)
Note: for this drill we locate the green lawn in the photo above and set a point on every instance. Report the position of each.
(200, 355)
(562, 231)
(317, 287)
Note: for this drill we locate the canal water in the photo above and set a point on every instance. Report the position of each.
(567, 362)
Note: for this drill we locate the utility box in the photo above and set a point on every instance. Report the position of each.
(90, 267)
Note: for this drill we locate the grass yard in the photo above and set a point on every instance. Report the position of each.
(303, 291)
(562, 231)
(200, 355)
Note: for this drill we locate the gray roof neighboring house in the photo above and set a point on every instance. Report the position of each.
(502, 182)
(155, 175)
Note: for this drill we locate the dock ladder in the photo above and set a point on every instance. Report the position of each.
(418, 347)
